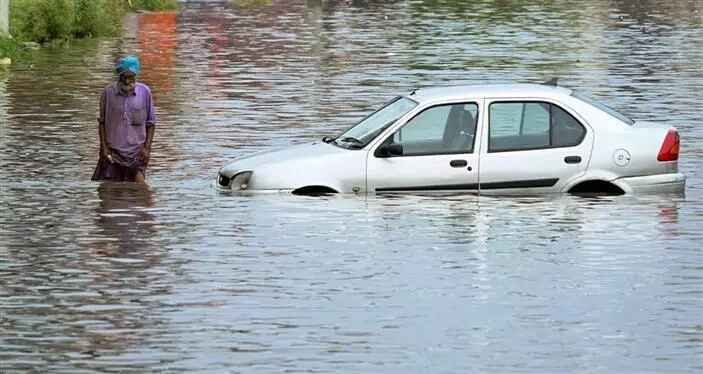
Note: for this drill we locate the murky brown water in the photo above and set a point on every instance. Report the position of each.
(175, 277)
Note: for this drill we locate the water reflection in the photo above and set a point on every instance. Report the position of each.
(172, 276)
(124, 220)
(158, 43)
(78, 296)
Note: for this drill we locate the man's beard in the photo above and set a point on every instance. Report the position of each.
(128, 88)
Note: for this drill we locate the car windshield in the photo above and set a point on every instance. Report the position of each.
(361, 134)
(603, 107)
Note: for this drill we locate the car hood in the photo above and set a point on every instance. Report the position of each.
(280, 155)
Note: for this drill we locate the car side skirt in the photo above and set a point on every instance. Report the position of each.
(532, 183)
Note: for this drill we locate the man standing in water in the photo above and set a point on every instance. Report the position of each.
(126, 126)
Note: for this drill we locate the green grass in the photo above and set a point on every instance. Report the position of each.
(9, 48)
(56, 21)
(153, 4)
(46, 20)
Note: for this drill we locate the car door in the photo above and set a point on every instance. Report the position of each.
(532, 146)
(437, 151)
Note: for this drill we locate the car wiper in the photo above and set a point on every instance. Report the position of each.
(347, 143)
(355, 146)
(348, 139)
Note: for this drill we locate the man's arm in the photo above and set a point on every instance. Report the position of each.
(103, 143)
(150, 122)
(149, 137)
(101, 124)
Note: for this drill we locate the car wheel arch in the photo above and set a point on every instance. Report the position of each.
(596, 187)
(593, 177)
(314, 190)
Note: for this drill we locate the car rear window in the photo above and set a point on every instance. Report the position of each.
(603, 107)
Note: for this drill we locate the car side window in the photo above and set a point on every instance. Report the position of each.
(567, 131)
(448, 128)
(426, 126)
(515, 126)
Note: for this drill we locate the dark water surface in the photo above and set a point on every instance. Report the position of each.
(174, 277)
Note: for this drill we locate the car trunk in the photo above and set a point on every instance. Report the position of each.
(658, 144)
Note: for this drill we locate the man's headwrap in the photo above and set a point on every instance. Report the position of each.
(128, 63)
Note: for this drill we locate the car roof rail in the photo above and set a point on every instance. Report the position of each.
(551, 82)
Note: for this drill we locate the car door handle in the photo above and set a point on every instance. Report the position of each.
(458, 163)
(572, 159)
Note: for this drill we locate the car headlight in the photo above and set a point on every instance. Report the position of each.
(240, 181)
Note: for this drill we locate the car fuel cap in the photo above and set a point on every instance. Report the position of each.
(621, 157)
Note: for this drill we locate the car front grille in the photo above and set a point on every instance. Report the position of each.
(223, 181)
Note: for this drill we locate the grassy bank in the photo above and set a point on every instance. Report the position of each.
(55, 21)
(153, 5)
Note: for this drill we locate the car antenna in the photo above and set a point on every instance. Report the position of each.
(551, 82)
(413, 91)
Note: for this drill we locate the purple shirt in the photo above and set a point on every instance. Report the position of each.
(126, 117)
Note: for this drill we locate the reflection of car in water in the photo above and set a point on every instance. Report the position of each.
(511, 138)
(484, 222)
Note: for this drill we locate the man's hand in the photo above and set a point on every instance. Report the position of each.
(105, 152)
(144, 155)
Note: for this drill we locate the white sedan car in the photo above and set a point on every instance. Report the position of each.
(489, 139)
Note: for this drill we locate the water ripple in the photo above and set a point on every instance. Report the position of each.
(176, 277)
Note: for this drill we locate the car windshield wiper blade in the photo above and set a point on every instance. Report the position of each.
(355, 146)
(348, 139)
(348, 143)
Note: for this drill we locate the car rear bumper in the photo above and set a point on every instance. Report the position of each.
(659, 183)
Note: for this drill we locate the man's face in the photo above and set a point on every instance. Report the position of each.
(128, 81)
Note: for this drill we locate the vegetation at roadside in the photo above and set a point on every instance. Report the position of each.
(152, 5)
(8, 48)
(56, 21)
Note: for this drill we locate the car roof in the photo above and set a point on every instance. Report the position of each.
(480, 90)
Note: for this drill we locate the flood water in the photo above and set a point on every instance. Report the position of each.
(176, 277)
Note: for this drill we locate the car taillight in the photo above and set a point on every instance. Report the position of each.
(670, 148)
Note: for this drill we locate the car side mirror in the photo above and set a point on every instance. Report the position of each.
(389, 150)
